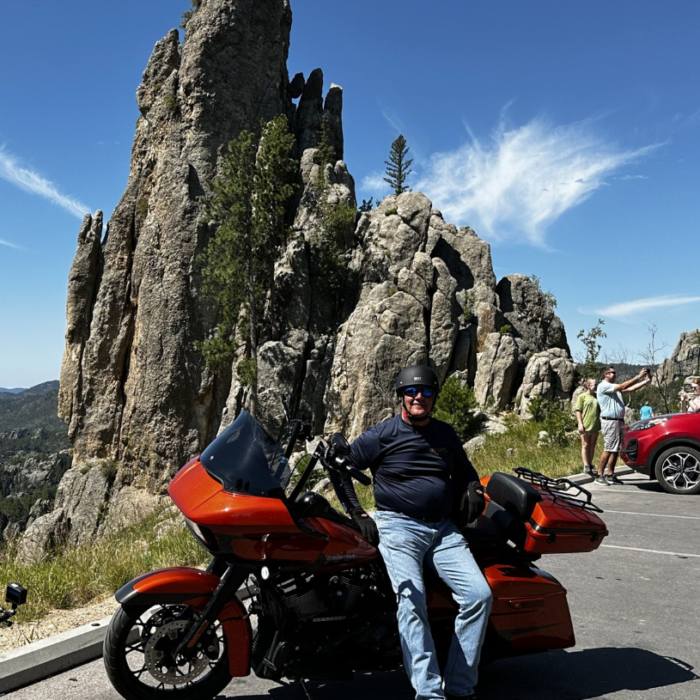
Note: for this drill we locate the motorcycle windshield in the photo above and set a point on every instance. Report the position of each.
(245, 459)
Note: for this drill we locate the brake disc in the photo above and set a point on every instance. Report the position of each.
(155, 659)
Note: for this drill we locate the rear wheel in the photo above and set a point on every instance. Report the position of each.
(678, 470)
(139, 655)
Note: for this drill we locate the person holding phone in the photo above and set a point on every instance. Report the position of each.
(612, 415)
(690, 400)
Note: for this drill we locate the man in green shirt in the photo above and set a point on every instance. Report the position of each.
(588, 418)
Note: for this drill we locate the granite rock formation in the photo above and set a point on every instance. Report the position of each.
(133, 388)
(685, 359)
(549, 374)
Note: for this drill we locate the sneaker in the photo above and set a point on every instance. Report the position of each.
(612, 479)
(602, 480)
(589, 470)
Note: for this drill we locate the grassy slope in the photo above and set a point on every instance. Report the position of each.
(80, 574)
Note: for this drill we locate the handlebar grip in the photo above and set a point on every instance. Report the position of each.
(357, 474)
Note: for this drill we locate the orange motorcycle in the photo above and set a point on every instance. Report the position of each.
(293, 591)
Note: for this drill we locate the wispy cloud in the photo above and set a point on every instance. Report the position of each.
(29, 181)
(374, 182)
(626, 309)
(393, 119)
(9, 245)
(634, 177)
(519, 181)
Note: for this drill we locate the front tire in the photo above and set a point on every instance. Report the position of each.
(136, 655)
(678, 470)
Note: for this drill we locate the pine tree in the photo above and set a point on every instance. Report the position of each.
(248, 207)
(397, 167)
(274, 173)
(226, 258)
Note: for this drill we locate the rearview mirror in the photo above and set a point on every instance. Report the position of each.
(16, 595)
(341, 445)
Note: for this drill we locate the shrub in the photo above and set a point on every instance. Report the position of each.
(391, 211)
(186, 16)
(457, 406)
(142, 207)
(109, 470)
(247, 371)
(548, 296)
(170, 102)
(468, 307)
(506, 330)
(555, 417)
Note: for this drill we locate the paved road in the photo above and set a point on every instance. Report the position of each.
(633, 602)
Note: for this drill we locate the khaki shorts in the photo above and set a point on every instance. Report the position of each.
(612, 430)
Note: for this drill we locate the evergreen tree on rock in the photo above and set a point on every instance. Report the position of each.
(397, 167)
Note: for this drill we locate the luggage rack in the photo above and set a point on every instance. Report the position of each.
(559, 489)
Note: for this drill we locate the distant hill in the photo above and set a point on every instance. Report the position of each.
(31, 417)
(33, 454)
(43, 388)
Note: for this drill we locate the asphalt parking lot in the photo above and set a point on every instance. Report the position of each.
(633, 603)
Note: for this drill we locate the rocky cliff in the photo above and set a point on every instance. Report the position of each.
(133, 389)
(685, 359)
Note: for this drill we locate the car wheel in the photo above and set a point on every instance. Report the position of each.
(678, 470)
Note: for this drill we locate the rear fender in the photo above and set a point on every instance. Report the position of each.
(183, 585)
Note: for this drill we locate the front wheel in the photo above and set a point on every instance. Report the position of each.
(139, 655)
(678, 470)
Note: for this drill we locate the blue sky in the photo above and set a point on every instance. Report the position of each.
(566, 134)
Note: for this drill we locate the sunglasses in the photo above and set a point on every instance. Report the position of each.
(413, 391)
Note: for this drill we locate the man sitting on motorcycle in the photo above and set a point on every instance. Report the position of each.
(423, 483)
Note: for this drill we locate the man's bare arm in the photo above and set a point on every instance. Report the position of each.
(631, 382)
(637, 386)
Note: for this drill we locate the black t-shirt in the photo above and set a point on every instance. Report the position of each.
(416, 469)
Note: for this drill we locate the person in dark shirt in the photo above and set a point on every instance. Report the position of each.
(423, 483)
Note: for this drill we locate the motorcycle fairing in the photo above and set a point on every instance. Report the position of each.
(187, 586)
(250, 528)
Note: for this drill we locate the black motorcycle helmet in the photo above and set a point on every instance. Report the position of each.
(417, 375)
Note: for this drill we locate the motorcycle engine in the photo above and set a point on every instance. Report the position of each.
(329, 596)
(348, 615)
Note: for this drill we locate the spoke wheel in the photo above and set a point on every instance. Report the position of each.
(140, 659)
(678, 470)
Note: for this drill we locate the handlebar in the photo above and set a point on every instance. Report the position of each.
(357, 474)
(334, 460)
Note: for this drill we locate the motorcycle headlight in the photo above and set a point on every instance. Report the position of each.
(648, 423)
(202, 535)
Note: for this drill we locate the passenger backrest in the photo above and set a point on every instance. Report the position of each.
(514, 495)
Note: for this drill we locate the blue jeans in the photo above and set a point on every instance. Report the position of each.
(406, 545)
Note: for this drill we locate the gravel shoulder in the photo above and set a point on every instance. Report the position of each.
(55, 622)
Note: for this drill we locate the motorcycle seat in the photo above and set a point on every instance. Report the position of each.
(514, 495)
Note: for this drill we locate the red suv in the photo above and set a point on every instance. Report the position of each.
(666, 448)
